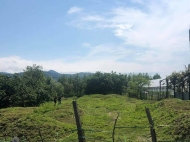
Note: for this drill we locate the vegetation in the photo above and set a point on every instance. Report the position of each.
(98, 113)
(45, 121)
(181, 80)
(32, 87)
(28, 89)
(156, 76)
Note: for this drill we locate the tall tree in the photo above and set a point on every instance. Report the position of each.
(136, 83)
(67, 83)
(6, 90)
(156, 76)
(34, 79)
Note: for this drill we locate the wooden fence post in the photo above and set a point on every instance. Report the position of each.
(152, 130)
(167, 92)
(174, 87)
(113, 133)
(81, 136)
(189, 86)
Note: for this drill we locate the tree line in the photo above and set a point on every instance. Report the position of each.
(32, 88)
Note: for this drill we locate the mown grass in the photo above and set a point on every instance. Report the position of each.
(98, 113)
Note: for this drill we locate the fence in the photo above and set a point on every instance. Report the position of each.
(155, 95)
(82, 137)
(163, 95)
(151, 127)
(148, 130)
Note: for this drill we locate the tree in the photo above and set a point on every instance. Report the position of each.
(59, 89)
(179, 79)
(77, 85)
(22, 93)
(35, 82)
(67, 84)
(6, 90)
(34, 76)
(156, 76)
(136, 83)
(106, 83)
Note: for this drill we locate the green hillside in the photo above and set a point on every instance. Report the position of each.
(98, 112)
(55, 75)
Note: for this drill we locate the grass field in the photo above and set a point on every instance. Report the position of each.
(98, 113)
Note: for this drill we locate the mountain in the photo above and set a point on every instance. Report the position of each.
(7, 74)
(55, 75)
(51, 73)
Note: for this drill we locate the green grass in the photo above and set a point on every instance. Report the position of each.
(98, 114)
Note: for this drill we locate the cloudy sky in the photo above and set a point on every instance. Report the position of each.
(95, 35)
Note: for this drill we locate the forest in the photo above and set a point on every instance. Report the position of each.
(32, 87)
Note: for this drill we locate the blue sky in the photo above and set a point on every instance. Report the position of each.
(95, 35)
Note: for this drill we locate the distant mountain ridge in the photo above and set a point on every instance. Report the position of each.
(5, 73)
(55, 75)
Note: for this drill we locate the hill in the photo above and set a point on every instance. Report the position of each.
(51, 73)
(5, 73)
(98, 113)
(55, 75)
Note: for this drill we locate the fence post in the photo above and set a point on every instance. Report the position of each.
(167, 93)
(160, 89)
(183, 93)
(152, 130)
(81, 136)
(113, 133)
(189, 86)
(175, 87)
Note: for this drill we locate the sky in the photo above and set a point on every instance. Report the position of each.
(125, 36)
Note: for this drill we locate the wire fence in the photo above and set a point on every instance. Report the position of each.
(115, 133)
(128, 134)
(155, 95)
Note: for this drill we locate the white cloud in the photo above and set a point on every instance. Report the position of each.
(74, 9)
(138, 1)
(92, 18)
(14, 64)
(17, 64)
(153, 30)
(85, 44)
(155, 39)
(107, 52)
(162, 25)
(159, 31)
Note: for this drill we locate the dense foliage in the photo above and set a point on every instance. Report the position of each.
(32, 87)
(28, 89)
(156, 76)
(180, 81)
(104, 83)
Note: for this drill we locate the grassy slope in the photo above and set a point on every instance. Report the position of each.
(98, 113)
